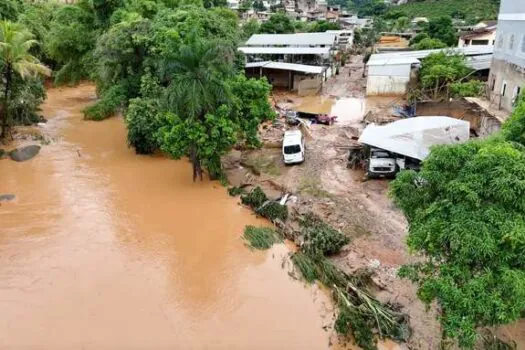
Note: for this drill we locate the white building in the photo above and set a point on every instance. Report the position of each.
(482, 34)
(344, 37)
(507, 74)
(390, 73)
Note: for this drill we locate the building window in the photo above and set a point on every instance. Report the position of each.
(493, 83)
(500, 41)
(523, 44)
(480, 42)
(503, 89)
(511, 42)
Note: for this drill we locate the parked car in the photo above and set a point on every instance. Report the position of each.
(381, 163)
(292, 118)
(293, 147)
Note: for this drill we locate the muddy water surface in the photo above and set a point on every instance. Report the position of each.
(103, 249)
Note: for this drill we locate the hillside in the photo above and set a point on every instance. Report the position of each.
(471, 10)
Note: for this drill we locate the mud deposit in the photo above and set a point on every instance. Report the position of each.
(103, 249)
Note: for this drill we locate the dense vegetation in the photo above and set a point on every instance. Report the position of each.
(471, 11)
(170, 67)
(466, 213)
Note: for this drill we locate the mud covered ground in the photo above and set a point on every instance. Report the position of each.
(361, 209)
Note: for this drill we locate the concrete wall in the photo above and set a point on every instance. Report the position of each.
(308, 85)
(480, 120)
(505, 80)
(395, 70)
(386, 85)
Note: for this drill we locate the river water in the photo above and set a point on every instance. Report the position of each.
(104, 249)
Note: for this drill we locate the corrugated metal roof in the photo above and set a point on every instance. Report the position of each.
(286, 50)
(467, 51)
(478, 57)
(287, 66)
(299, 39)
(479, 62)
(392, 61)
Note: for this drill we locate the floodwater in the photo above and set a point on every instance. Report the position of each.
(347, 110)
(104, 249)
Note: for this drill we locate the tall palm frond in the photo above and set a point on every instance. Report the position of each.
(196, 76)
(15, 43)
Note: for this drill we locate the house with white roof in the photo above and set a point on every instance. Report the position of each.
(300, 62)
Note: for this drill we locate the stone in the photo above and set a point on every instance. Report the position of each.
(7, 197)
(24, 153)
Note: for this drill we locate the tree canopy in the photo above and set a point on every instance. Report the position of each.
(278, 23)
(466, 213)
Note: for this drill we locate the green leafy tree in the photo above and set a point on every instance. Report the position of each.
(196, 75)
(441, 69)
(323, 26)
(278, 23)
(103, 10)
(250, 106)
(37, 18)
(249, 28)
(120, 56)
(205, 139)
(466, 220)
(472, 88)
(402, 24)
(429, 44)
(418, 38)
(70, 42)
(10, 9)
(258, 5)
(442, 29)
(16, 62)
(143, 117)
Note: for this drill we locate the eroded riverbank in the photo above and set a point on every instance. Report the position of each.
(103, 249)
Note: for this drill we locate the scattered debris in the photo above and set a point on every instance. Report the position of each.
(23, 154)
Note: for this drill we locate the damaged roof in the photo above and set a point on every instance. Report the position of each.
(299, 39)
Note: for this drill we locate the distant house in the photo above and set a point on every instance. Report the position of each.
(483, 33)
(344, 37)
(300, 62)
(417, 20)
(353, 22)
(507, 73)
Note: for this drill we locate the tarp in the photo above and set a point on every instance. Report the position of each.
(413, 137)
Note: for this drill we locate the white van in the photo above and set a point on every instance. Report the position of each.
(293, 147)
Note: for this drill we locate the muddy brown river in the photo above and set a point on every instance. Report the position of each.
(104, 249)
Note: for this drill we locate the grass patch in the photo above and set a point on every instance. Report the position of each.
(312, 186)
(261, 238)
(263, 164)
(306, 266)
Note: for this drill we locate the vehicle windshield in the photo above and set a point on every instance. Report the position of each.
(380, 154)
(293, 149)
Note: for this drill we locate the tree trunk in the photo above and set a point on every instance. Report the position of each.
(196, 162)
(5, 114)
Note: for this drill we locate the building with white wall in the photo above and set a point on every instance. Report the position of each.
(482, 34)
(507, 74)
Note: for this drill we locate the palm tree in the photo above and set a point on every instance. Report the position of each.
(196, 77)
(15, 58)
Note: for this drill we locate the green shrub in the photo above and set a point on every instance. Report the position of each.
(320, 238)
(273, 211)
(235, 191)
(260, 237)
(255, 198)
(112, 99)
(473, 88)
(143, 124)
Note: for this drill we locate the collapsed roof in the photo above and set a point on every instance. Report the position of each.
(413, 137)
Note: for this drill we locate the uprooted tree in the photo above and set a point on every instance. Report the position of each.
(466, 213)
